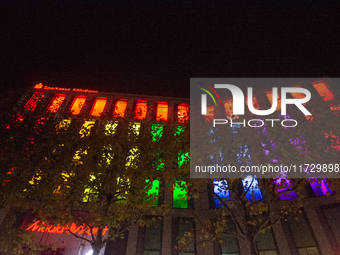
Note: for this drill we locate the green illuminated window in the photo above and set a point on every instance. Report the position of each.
(179, 198)
(156, 132)
(183, 159)
(153, 191)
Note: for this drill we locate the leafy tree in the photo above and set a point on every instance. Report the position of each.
(104, 174)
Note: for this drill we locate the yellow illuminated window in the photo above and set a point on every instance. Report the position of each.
(98, 106)
(120, 108)
(162, 111)
(77, 104)
(56, 103)
(141, 109)
(86, 128)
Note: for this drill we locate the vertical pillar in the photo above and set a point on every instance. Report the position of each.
(132, 241)
(167, 235)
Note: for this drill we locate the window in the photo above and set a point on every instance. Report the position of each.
(162, 111)
(183, 233)
(286, 183)
(302, 235)
(266, 243)
(77, 104)
(34, 100)
(183, 113)
(141, 109)
(324, 91)
(153, 191)
(221, 189)
(320, 188)
(251, 186)
(152, 234)
(270, 98)
(179, 198)
(332, 224)
(120, 108)
(229, 245)
(98, 106)
(56, 103)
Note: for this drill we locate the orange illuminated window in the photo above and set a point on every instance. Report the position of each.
(228, 107)
(255, 104)
(77, 104)
(323, 90)
(183, 113)
(98, 106)
(34, 100)
(299, 95)
(141, 109)
(119, 111)
(56, 103)
(162, 111)
(270, 98)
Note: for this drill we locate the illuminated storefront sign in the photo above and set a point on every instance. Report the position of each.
(39, 226)
(41, 86)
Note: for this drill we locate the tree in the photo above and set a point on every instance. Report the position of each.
(107, 176)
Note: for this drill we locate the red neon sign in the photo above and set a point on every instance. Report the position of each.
(41, 86)
(41, 227)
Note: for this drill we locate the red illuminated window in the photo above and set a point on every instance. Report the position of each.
(323, 90)
(183, 113)
(141, 109)
(98, 106)
(34, 100)
(162, 111)
(56, 103)
(77, 104)
(120, 108)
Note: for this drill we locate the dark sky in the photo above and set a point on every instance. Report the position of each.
(154, 47)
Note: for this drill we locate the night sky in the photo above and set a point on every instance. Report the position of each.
(154, 47)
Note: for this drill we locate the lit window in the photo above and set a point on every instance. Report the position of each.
(77, 104)
(156, 132)
(251, 186)
(34, 100)
(63, 124)
(86, 128)
(228, 107)
(255, 104)
(110, 127)
(180, 199)
(153, 191)
(298, 95)
(220, 189)
(320, 188)
(270, 98)
(98, 106)
(162, 111)
(183, 113)
(141, 109)
(286, 184)
(56, 103)
(324, 91)
(183, 159)
(120, 108)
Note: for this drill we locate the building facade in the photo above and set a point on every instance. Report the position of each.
(316, 232)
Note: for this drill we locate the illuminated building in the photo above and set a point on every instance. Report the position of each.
(317, 232)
